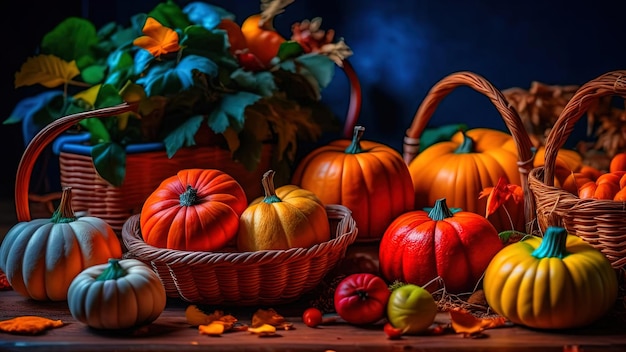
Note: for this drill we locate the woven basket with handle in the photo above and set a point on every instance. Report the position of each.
(512, 120)
(266, 277)
(601, 223)
(94, 196)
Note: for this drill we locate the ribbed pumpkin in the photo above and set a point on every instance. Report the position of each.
(369, 178)
(286, 217)
(461, 168)
(41, 257)
(555, 282)
(420, 246)
(194, 210)
(119, 295)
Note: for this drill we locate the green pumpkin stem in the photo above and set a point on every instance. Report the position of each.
(113, 272)
(268, 187)
(467, 146)
(440, 211)
(355, 146)
(553, 244)
(64, 213)
(189, 197)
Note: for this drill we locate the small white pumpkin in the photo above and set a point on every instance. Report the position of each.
(119, 295)
(41, 257)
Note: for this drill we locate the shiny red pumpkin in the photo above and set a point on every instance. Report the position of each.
(420, 246)
(195, 210)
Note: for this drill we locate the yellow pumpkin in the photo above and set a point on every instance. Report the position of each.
(286, 217)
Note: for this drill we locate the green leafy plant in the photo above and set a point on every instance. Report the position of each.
(187, 68)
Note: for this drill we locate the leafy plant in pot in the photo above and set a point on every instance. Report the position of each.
(191, 71)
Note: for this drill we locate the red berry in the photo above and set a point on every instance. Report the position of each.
(312, 317)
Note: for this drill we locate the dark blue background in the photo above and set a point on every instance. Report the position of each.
(401, 48)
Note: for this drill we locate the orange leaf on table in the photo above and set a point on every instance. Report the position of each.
(463, 322)
(158, 39)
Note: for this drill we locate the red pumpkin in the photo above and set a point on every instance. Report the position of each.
(420, 246)
(369, 178)
(195, 210)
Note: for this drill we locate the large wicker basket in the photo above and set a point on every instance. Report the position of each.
(268, 277)
(94, 196)
(512, 120)
(601, 223)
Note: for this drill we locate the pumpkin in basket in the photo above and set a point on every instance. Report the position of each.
(41, 257)
(286, 217)
(420, 246)
(194, 210)
(369, 178)
(461, 168)
(555, 282)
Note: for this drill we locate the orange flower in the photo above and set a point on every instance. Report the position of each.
(499, 194)
(158, 40)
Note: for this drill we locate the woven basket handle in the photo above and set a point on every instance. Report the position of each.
(611, 83)
(44, 137)
(354, 108)
(508, 113)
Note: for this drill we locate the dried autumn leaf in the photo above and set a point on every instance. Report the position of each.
(158, 39)
(463, 322)
(270, 317)
(263, 330)
(196, 317)
(28, 324)
(48, 70)
(213, 329)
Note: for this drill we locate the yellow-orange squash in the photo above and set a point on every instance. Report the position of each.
(369, 178)
(286, 217)
(459, 169)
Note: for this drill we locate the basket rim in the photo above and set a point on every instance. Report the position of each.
(131, 236)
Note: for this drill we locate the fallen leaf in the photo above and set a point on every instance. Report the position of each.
(28, 324)
(270, 317)
(463, 322)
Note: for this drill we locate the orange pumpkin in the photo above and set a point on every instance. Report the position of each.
(286, 217)
(369, 178)
(605, 187)
(195, 210)
(459, 169)
(567, 161)
(618, 162)
(575, 180)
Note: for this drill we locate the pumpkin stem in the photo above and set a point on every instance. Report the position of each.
(553, 244)
(189, 197)
(440, 211)
(355, 146)
(113, 272)
(64, 213)
(268, 187)
(467, 146)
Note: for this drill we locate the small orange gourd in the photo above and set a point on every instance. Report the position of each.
(286, 217)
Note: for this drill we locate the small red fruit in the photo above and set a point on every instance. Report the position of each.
(392, 333)
(312, 317)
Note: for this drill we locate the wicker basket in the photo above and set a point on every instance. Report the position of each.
(94, 196)
(601, 223)
(508, 113)
(267, 277)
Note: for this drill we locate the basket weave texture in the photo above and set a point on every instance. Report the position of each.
(509, 115)
(266, 277)
(601, 223)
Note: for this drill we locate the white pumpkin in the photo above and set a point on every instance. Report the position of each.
(119, 295)
(41, 257)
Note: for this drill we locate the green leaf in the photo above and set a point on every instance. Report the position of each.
(230, 111)
(434, 135)
(169, 78)
(93, 74)
(71, 40)
(109, 160)
(169, 14)
(207, 15)
(183, 135)
(261, 82)
(320, 66)
(289, 49)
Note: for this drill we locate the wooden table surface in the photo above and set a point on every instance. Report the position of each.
(171, 332)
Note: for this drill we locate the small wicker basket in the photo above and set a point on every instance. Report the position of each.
(268, 277)
(601, 223)
(512, 120)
